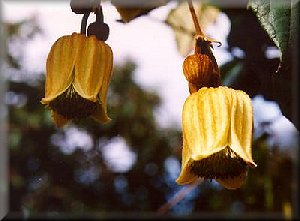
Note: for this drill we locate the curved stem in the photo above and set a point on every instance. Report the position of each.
(84, 23)
(99, 15)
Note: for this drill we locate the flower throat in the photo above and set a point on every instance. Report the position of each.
(71, 105)
(220, 165)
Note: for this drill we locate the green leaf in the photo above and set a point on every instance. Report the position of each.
(279, 18)
(230, 72)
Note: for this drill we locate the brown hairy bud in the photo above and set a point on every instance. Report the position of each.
(201, 71)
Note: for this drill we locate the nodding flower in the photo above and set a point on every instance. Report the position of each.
(78, 73)
(217, 136)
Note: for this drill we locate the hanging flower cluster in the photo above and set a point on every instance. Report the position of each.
(217, 122)
(78, 73)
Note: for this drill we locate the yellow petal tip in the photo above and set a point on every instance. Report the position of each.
(233, 183)
(59, 120)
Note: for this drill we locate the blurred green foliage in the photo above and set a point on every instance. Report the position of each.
(259, 73)
(45, 179)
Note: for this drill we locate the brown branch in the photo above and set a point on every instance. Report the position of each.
(195, 19)
(178, 196)
(199, 34)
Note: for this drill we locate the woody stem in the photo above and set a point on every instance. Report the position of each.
(195, 19)
(197, 26)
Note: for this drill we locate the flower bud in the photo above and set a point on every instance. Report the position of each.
(201, 71)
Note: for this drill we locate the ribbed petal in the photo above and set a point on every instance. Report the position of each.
(213, 119)
(59, 67)
(101, 115)
(241, 125)
(93, 64)
(93, 70)
(186, 177)
(205, 122)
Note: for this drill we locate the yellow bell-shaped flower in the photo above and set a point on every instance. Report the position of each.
(217, 136)
(78, 72)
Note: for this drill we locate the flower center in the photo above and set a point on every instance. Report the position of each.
(221, 165)
(72, 106)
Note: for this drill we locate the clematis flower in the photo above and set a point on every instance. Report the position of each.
(217, 136)
(78, 72)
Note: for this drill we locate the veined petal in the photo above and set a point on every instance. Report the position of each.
(241, 125)
(186, 176)
(217, 136)
(106, 81)
(92, 68)
(59, 67)
(100, 114)
(205, 124)
(79, 70)
(214, 119)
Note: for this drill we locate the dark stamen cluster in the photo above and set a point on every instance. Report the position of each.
(72, 106)
(221, 165)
